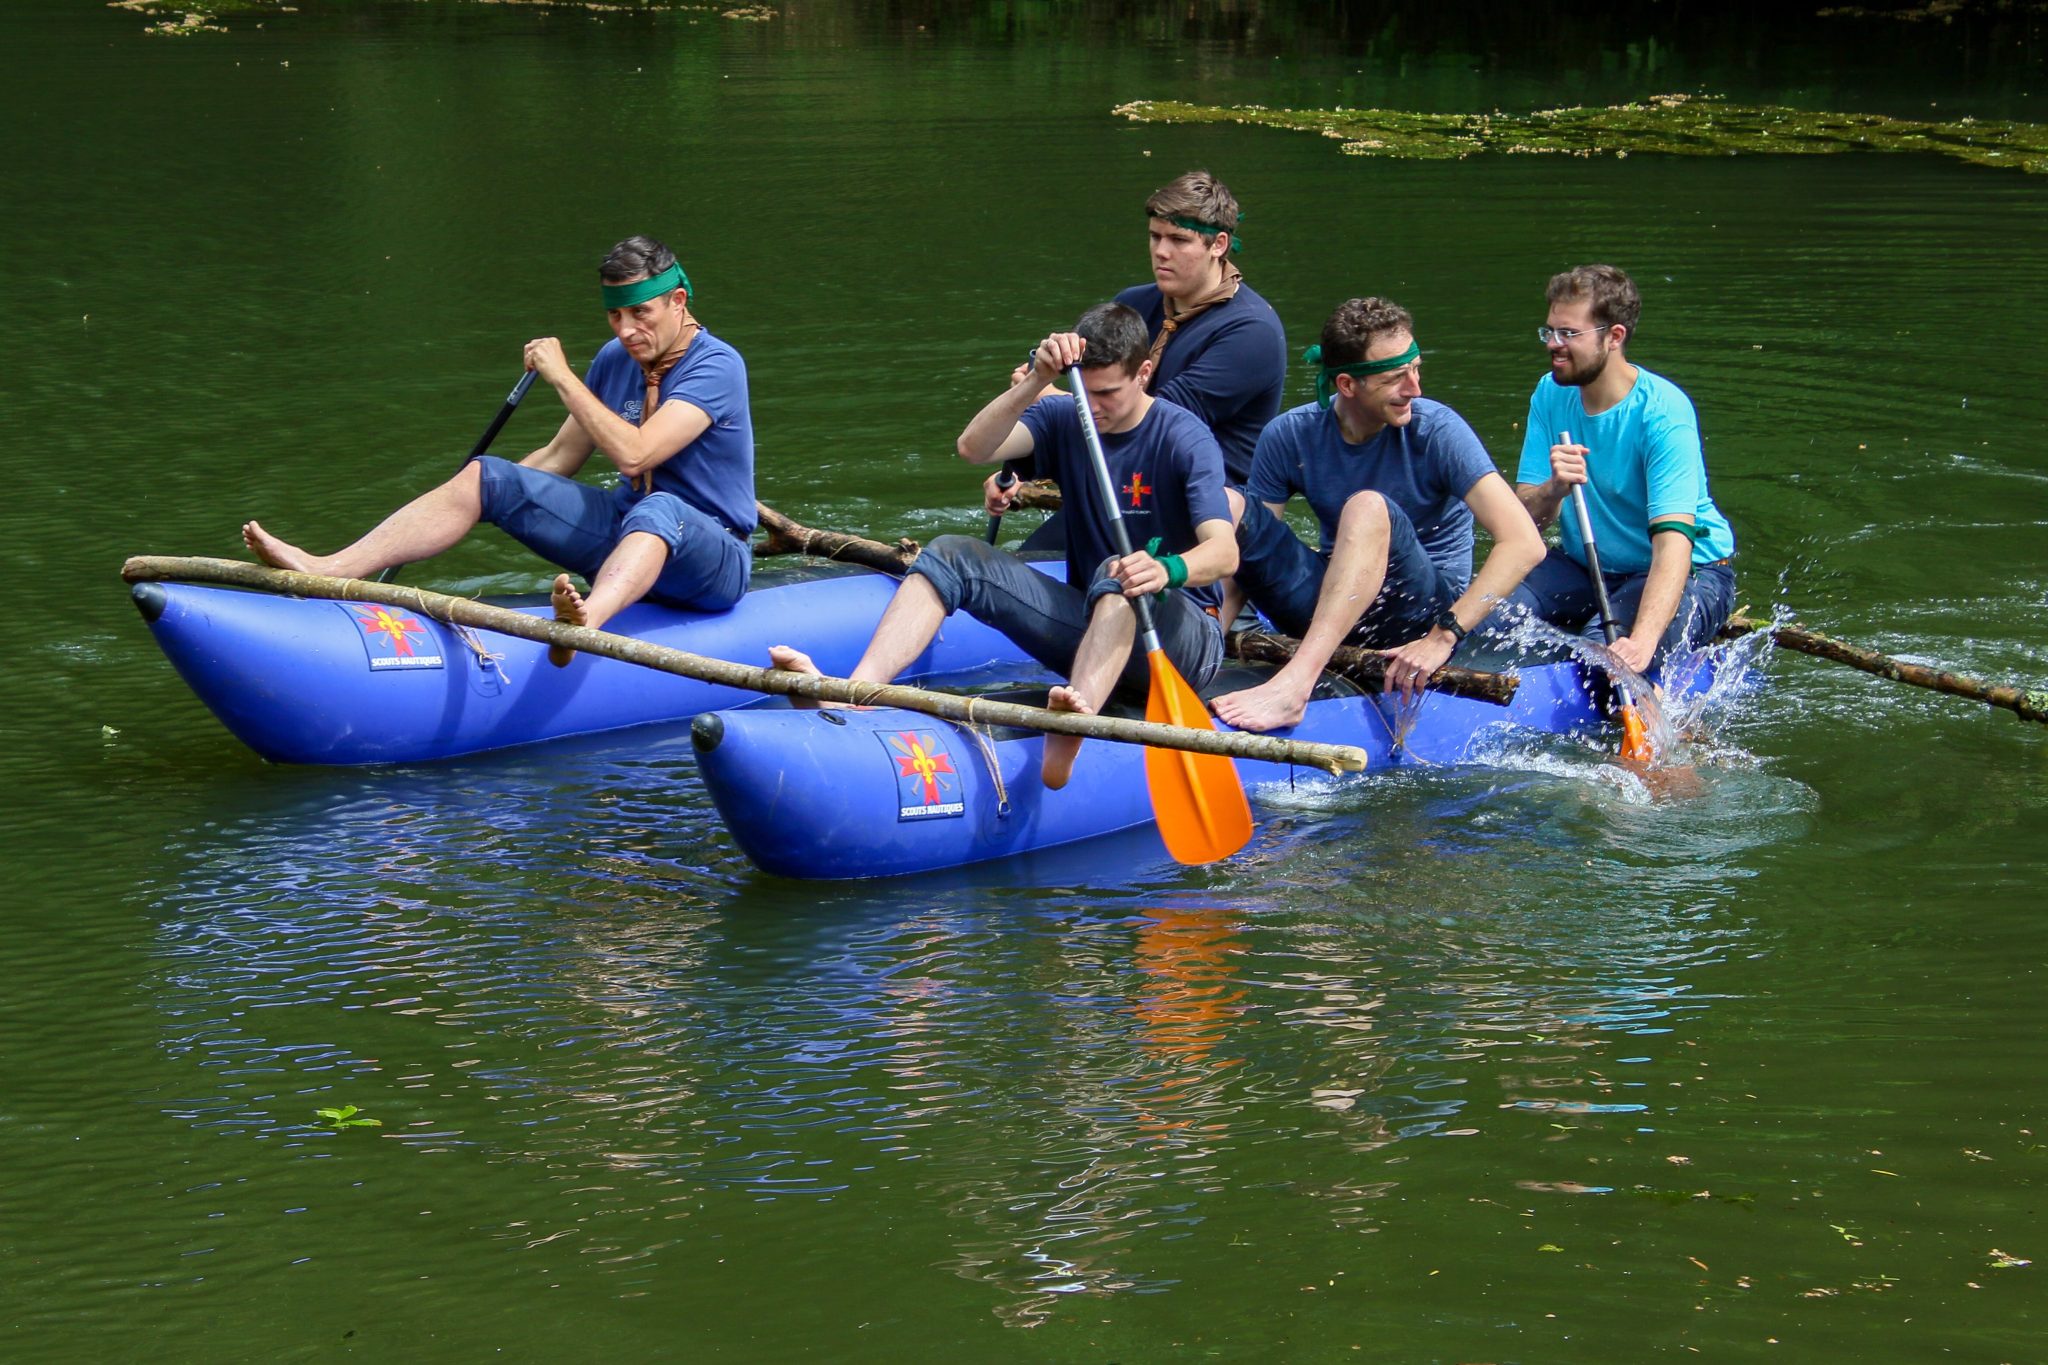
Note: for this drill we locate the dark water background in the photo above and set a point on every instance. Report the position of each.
(1497, 1063)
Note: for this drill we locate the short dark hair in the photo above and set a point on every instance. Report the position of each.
(1116, 335)
(1199, 196)
(1357, 323)
(636, 258)
(1608, 291)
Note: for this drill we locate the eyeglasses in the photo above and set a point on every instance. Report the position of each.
(1567, 335)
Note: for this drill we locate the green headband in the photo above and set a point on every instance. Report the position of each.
(1208, 230)
(639, 291)
(1325, 377)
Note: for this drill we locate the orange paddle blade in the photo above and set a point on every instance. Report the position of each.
(1635, 737)
(1199, 803)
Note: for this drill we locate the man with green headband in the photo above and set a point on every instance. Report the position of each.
(666, 403)
(1395, 481)
(1217, 347)
(1631, 441)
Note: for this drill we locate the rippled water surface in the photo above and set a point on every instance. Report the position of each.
(1526, 1059)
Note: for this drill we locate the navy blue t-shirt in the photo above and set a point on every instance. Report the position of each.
(1227, 365)
(715, 472)
(1425, 467)
(1167, 471)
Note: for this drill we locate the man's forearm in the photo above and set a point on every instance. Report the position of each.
(1670, 565)
(982, 440)
(621, 442)
(1541, 501)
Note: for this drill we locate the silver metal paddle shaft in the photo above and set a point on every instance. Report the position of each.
(1142, 603)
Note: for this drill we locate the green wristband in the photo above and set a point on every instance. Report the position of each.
(1176, 571)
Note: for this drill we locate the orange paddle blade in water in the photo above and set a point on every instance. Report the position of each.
(1199, 803)
(1635, 736)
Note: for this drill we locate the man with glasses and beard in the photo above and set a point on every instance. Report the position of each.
(1630, 439)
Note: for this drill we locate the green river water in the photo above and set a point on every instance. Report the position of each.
(1499, 1063)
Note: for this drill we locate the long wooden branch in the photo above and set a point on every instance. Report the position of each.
(1368, 667)
(789, 537)
(2026, 703)
(1331, 758)
(1038, 495)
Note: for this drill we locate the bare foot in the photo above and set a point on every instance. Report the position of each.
(784, 659)
(1061, 750)
(1272, 705)
(277, 553)
(569, 611)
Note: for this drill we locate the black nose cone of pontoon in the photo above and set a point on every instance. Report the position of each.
(706, 731)
(149, 599)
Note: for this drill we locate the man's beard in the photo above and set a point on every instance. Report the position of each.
(1581, 375)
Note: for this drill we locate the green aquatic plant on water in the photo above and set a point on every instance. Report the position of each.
(1679, 125)
(186, 18)
(345, 1117)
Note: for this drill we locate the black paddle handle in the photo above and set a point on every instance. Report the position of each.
(1005, 481)
(483, 443)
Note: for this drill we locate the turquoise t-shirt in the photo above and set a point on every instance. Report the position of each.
(1643, 462)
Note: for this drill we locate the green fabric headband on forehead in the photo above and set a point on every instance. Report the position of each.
(1209, 230)
(639, 291)
(1326, 376)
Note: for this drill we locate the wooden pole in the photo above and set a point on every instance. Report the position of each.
(1368, 667)
(2026, 703)
(789, 537)
(1331, 758)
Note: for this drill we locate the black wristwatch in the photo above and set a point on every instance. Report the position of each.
(1448, 619)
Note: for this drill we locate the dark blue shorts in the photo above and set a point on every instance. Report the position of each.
(1046, 618)
(1560, 591)
(1283, 578)
(577, 526)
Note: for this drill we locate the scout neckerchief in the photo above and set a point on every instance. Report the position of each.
(667, 361)
(1178, 313)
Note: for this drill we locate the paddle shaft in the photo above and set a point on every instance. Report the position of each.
(1147, 632)
(483, 442)
(1607, 626)
(1635, 743)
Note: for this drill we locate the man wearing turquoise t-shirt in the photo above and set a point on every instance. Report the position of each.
(666, 403)
(1630, 439)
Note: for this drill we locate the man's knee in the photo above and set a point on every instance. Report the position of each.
(1109, 606)
(492, 482)
(1236, 501)
(1365, 513)
(951, 564)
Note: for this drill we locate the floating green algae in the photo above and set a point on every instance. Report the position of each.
(185, 18)
(1681, 125)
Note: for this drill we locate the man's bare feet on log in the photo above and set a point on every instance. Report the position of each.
(1061, 750)
(569, 611)
(279, 554)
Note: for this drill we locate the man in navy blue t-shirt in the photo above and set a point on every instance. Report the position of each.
(1217, 348)
(1168, 475)
(666, 403)
(1395, 481)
